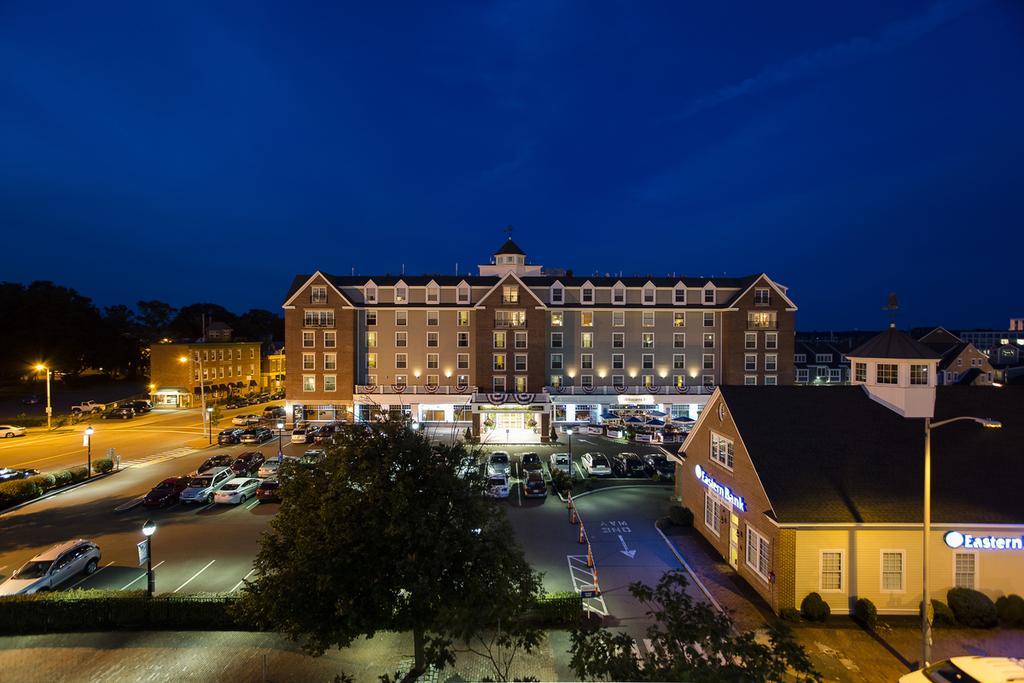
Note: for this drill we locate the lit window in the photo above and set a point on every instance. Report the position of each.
(556, 319)
(586, 340)
(463, 318)
(309, 382)
(498, 362)
(498, 340)
(510, 294)
(586, 319)
(892, 571)
(721, 450)
(647, 340)
(919, 374)
(371, 340)
(964, 570)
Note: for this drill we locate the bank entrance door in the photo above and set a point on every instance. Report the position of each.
(734, 539)
(503, 421)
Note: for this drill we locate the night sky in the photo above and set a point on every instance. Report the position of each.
(209, 152)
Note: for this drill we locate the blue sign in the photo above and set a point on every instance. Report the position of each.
(590, 594)
(724, 491)
(956, 539)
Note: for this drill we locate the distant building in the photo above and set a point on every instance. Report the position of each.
(988, 340)
(274, 368)
(182, 372)
(961, 362)
(821, 362)
(218, 332)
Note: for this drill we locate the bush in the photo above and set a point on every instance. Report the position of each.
(18, 491)
(1010, 609)
(972, 608)
(680, 516)
(789, 614)
(103, 465)
(62, 478)
(561, 481)
(941, 614)
(557, 610)
(813, 608)
(79, 474)
(866, 613)
(45, 481)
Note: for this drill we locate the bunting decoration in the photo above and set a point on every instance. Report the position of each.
(430, 388)
(398, 388)
(496, 398)
(588, 389)
(461, 388)
(620, 388)
(524, 398)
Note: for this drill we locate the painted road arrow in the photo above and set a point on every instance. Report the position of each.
(631, 554)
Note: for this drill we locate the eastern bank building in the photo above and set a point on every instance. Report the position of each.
(517, 347)
(807, 489)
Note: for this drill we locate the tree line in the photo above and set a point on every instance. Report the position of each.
(50, 323)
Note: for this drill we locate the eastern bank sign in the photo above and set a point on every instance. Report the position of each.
(723, 491)
(956, 539)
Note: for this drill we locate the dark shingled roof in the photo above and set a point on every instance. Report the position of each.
(893, 343)
(510, 247)
(834, 455)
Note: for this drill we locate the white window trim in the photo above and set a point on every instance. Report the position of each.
(903, 570)
(304, 378)
(711, 450)
(716, 504)
(557, 287)
(463, 294)
(619, 289)
(679, 288)
(842, 570)
(977, 566)
(746, 556)
(643, 295)
(593, 294)
(335, 378)
(304, 333)
(703, 295)
(433, 293)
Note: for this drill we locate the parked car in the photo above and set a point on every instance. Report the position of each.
(245, 420)
(628, 465)
(497, 463)
(230, 436)
(89, 407)
(535, 486)
(138, 405)
(236, 491)
(300, 435)
(312, 457)
(277, 396)
(200, 489)
(118, 414)
(9, 431)
(10, 474)
(655, 463)
(271, 467)
(596, 465)
(256, 435)
(559, 461)
(325, 433)
(167, 492)
(222, 460)
(52, 567)
(531, 462)
(269, 491)
(273, 412)
(253, 399)
(236, 403)
(497, 485)
(247, 463)
(969, 669)
(31, 400)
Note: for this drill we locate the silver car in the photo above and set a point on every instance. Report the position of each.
(238, 490)
(203, 486)
(559, 461)
(49, 569)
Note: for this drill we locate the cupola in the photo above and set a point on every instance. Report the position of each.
(897, 371)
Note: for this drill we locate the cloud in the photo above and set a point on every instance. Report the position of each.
(888, 38)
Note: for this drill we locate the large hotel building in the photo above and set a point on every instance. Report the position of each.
(518, 347)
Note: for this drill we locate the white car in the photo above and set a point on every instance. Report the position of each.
(498, 463)
(203, 486)
(497, 485)
(969, 668)
(50, 568)
(8, 431)
(559, 461)
(238, 490)
(596, 464)
(300, 435)
(245, 420)
(270, 467)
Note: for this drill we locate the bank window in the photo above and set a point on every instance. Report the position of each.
(401, 361)
(463, 318)
(831, 563)
(893, 563)
(371, 360)
(432, 339)
(330, 361)
(463, 340)
(401, 339)
(587, 361)
(647, 361)
(887, 373)
(586, 340)
(556, 319)
(750, 340)
(556, 340)
(309, 382)
(462, 361)
(678, 340)
(432, 361)
(618, 361)
(647, 319)
(308, 361)
(678, 361)
(618, 340)
(965, 567)
(647, 340)
(919, 374)
(308, 340)
(757, 554)
(401, 317)
(618, 318)
(432, 317)
(712, 517)
(330, 382)
(586, 319)
(520, 361)
(556, 361)
(498, 362)
(721, 450)
(498, 340)
(709, 361)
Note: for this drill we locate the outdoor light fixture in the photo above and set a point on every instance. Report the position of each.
(148, 529)
(49, 406)
(89, 431)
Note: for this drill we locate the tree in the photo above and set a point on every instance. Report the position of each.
(258, 324)
(155, 318)
(387, 536)
(690, 641)
(188, 323)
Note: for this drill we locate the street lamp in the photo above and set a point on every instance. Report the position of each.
(148, 529)
(926, 624)
(568, 432)
(89, 431)
(202, 382)
(280, 431)
(49, 406)
(209, 423)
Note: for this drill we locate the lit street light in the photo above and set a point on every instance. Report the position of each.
(280, 431)
(202, 383)
(572, 470)
(89, 431)
(148, 529)
(209, 423)
(926, 624)
(49, 406)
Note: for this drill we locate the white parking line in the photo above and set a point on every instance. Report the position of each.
(89, 576)
(254, 503)
(578, 564)
(125, 587)
(239, 584)
(193, 576)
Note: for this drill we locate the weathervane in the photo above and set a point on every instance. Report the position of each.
(508, 231)
(892, 306)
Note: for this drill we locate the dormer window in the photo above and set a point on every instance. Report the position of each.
(618, 294)
(679, 295)
(709, 295)
(557, 294)
(762, 296)
(510, 294)
(318, 294)
(370, 293)
(401, 293)
(649, 294)
(462, 294)
(433, 293)
(587, 294)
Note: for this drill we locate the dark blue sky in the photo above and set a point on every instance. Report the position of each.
(210, 151)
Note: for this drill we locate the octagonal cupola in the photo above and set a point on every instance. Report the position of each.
(897, 371)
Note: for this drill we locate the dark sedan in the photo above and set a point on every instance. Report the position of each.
(268, 491)
(628, 465)
(531, 462)
(658, 464)
(230, 436)
(535, 486)
(257, 435)
(247, 463)
(166, 492)
(215, 461)
(324, 434)
(118, 414)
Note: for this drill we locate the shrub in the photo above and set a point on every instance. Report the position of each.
(789, 614)
(62, 478)
(18, 491)
(941, 614)
(1010, 609)
(469, 435)
(79, 474)
(813, 608)
(680, 516)
(972, 608)
(866, 613)
(45, 481)
(561, 481)
(103, 465)
(557, 610)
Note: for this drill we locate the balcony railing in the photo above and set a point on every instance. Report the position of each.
(415, 389)
(663, 390)
(506, 324)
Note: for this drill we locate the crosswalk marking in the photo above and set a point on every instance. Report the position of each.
(583, 579)
(160, 457)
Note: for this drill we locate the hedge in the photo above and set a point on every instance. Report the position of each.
(93, 610)
(680, 516)
(103, 465)
(18, 491)
(1010, 609)
(942, 615)
(972, 608)
(23, 490)
(866, 613)
(813, 608)
(557, 610)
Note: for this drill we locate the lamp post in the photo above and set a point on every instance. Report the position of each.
(280, 432)
(89, 431)
(148, 529)
(926, 624)
(572, 470)
(49, 406)
(209, 423)
(202, 382)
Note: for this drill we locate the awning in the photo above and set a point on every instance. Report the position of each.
(634, 420)
(656, 423)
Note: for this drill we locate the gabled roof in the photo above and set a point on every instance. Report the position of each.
(510, 247)
(893, 343)
(505, 278)
(833, 455)
(939, 335)
(300, 282)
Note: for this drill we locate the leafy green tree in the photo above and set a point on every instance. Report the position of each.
(384, 535)
(258, 324)
(155, 318)
(188, 323)
(690, 641)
